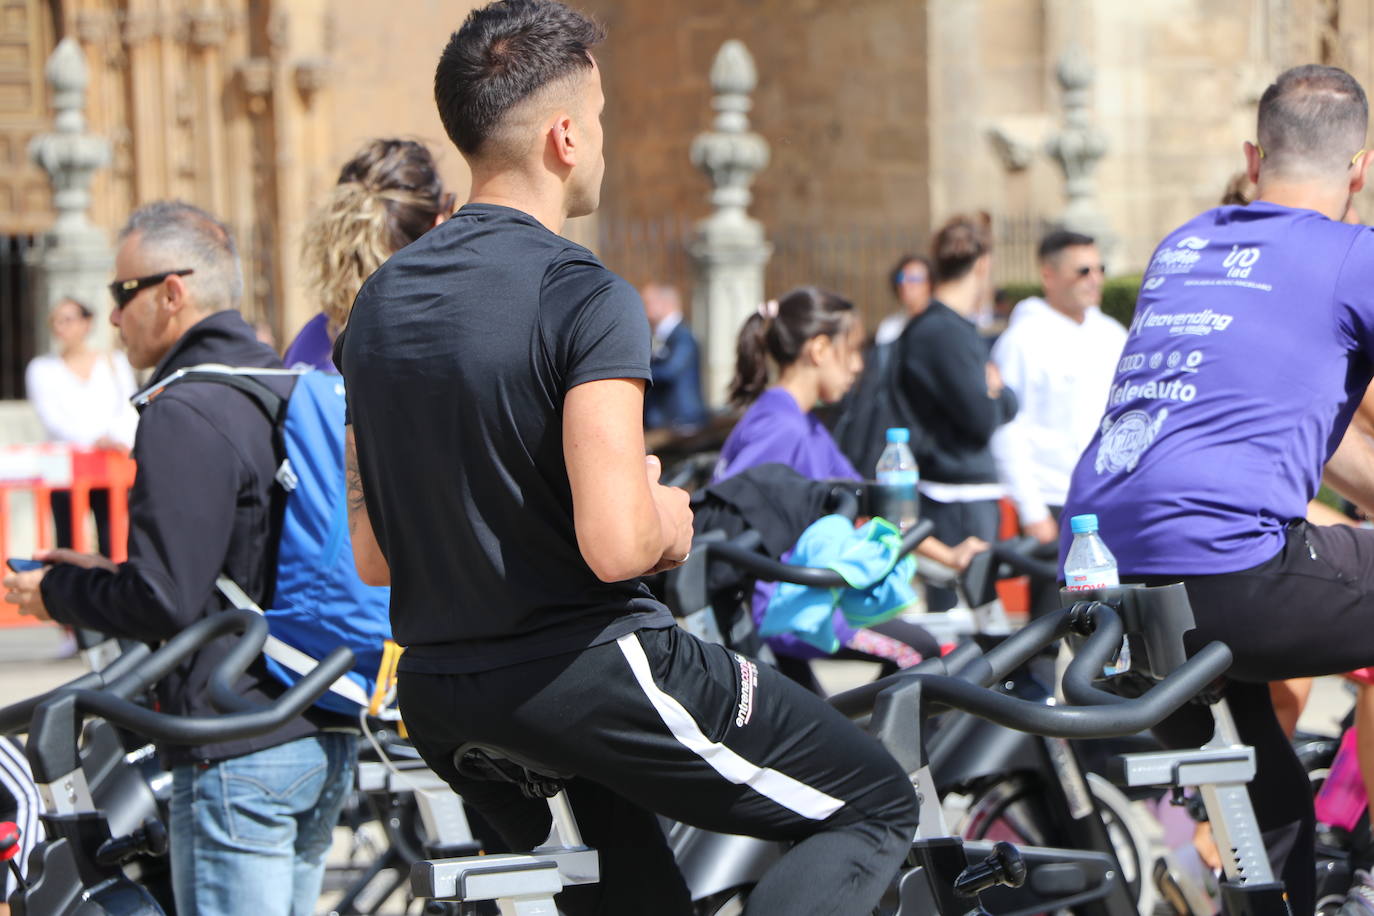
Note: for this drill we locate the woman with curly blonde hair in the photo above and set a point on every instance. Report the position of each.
(387, 196)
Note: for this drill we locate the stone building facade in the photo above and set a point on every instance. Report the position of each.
(883, 116)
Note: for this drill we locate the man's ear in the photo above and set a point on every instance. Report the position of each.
(176, 295)
(1361, 172)
(1047, 272)
(1252, 161)
(562, 134)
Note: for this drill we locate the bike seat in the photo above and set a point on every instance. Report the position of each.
(495, 764)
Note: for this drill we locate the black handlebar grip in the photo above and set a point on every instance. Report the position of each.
(251, 626)
(1091, 657)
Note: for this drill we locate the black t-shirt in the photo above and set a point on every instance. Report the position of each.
(457, 356)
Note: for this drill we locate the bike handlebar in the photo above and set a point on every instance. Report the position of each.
(15, 717)
(1105, 718)
(770, 570)
(1028, 556)
(58, 713)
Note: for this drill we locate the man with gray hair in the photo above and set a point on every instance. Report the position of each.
(251, 819)
(1251, 346)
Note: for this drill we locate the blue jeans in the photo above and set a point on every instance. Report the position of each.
(249, 835)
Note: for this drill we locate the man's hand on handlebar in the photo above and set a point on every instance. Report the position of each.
(674, 515)
(1046, 531)
(957, 557)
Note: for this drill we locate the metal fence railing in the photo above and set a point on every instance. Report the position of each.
(17, 335)
(855, 261)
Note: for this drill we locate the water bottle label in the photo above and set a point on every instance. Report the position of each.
(898, 478)
(1088, 581)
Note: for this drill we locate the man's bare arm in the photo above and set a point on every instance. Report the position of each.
(373, 568)
(627, 524)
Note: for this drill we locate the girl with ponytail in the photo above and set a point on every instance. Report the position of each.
(813, 338)
(387, 196)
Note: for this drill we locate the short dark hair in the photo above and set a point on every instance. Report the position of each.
(1056, 240)
(504, 53)
(1312, 118)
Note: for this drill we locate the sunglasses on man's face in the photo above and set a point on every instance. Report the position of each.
(1090, 268)
(124, 291)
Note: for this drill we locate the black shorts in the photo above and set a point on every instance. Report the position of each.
(1307, 611)
(661, 722)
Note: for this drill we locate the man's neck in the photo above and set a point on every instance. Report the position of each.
(1069, 310)
(1330, 201)
(507, 190)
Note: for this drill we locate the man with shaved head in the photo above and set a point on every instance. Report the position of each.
(1251, 346)
(496, 376)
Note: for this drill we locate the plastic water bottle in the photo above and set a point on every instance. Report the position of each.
(897, 477)
(1090, 565)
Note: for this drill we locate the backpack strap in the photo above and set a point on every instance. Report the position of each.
(248, 381)
(289, 656)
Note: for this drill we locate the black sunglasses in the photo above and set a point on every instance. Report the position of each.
(125, 290)
(1089, 268)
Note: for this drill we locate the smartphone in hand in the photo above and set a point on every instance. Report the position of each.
(20, 564)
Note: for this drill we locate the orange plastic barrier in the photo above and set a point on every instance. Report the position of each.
(41, 469)
(1015, 592)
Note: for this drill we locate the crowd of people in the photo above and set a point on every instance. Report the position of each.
(500, 381)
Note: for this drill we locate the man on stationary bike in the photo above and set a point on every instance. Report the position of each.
(1252, 344)
(496, 376)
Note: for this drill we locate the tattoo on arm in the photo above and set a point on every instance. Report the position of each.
(353, 480)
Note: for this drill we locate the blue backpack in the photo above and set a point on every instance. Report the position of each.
(318, 602)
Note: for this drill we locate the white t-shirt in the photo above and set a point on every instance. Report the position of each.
(1061, 372)
(80, 411)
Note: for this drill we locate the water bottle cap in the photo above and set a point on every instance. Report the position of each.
(1082, 524)
(899, 434)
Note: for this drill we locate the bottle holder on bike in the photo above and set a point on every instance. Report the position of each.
(1154, 619)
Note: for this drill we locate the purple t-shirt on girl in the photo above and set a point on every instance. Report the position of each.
(1250, 349)
(312, 347)
(776, 429)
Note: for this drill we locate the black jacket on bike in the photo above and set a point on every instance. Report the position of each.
(202, 505)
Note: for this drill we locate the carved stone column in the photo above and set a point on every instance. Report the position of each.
(729, 251)
(1077, 148)
(74, 257)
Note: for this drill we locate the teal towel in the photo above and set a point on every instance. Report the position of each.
(869, 559)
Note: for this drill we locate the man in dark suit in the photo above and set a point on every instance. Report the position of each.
(674, 401)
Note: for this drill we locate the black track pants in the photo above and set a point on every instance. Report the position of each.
(1308, 611)
(661, 722)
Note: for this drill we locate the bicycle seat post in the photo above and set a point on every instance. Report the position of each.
(565, 833)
